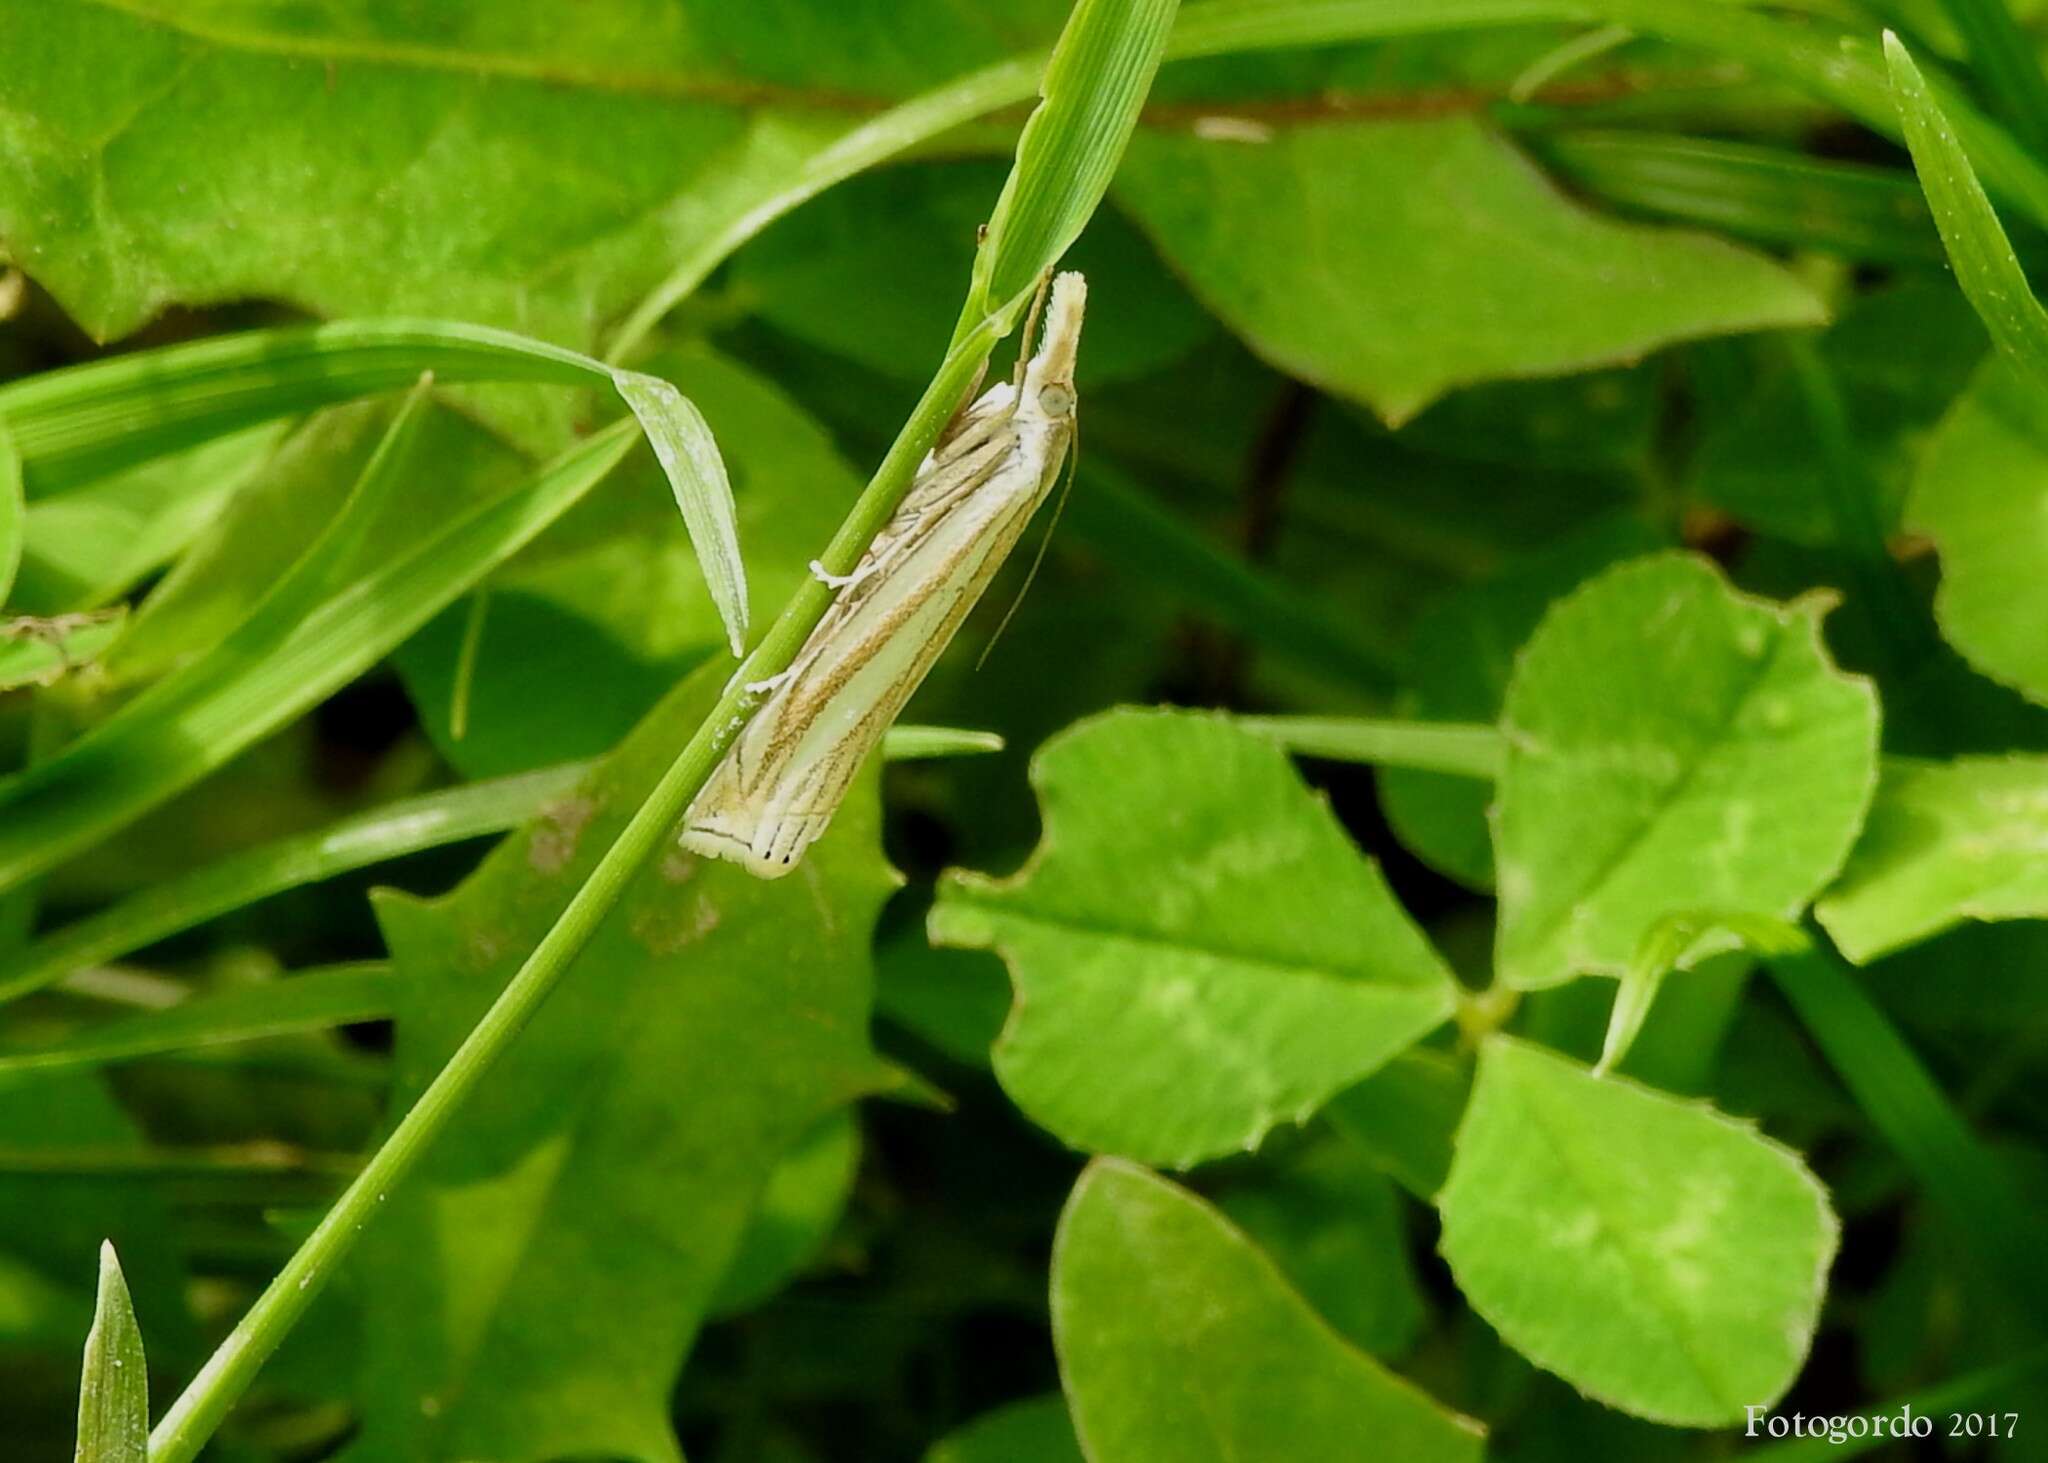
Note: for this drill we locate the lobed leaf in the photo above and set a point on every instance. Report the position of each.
(609, 1170)
(1198, 951)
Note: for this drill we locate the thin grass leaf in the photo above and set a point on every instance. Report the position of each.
(2009, 62)
(86, 421)
(1426, 746)
(1838, 67)
(1766, 194)
(315, 1000)
(187, 725)
(1095, 84)
(408, 826)
(13, 512)
(1985, 265)
(682, 441)
(886, 136)
(78, 424)
(113, 1387)
(377, 836)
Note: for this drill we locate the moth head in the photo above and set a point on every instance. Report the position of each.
(1049, 380)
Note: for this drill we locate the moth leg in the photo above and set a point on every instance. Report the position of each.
(842, 581)
(773, 684)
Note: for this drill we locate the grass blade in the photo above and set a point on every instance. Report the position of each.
(1985, 265)
(689, 458)
(313, 1001)
(1765, 194)
(13, 512)
(81, 423)
(113, 1388)
(86, 421)
(1839, 68)
(1095, 84)
(410, 825)
(184, 727)
(2009, 62)
(377, 836)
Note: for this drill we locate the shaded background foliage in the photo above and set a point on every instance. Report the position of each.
(1395, 344)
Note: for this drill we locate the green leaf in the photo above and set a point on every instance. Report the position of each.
(313, 1001)
(1334, 1226)
(610, 1168)
(388, 832)
(1985, 265)
(1036, 1430)
(113, 1391)
(1178, 1339)
(1394, 261)
(1198, 951)
(1944, 843)
(1462, 653)
(1673, 746)
(689, 457)
(13, 512)
(800, 1203)
(277, 514)
(274, 667)
(94, 543)
(1661, 1258)
(613, 601)
(1095, 84)
(1980, 494)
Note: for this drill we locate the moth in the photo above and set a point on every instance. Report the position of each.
(784, 776)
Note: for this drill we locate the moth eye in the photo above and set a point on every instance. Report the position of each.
(1056, 400)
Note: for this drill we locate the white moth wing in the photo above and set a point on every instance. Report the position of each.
(778, 785)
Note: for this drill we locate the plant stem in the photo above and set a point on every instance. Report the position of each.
(193, 1418)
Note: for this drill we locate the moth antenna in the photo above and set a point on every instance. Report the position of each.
(1044, 544)
(1031, 318)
